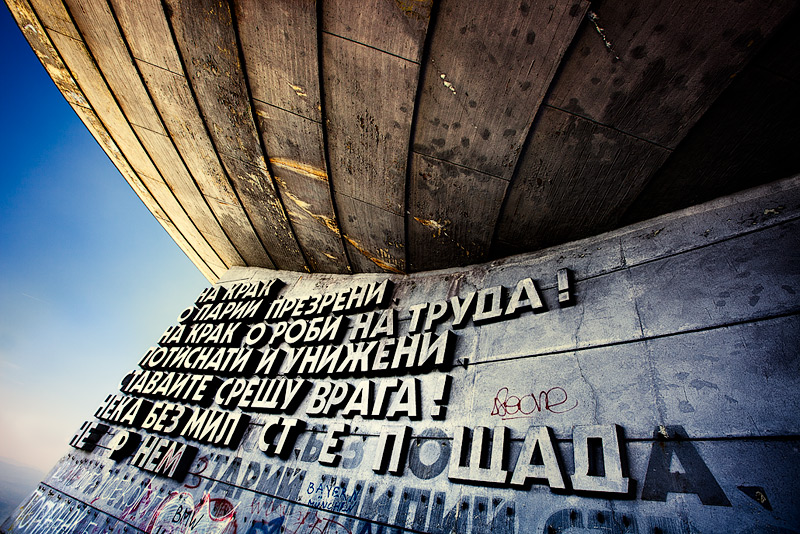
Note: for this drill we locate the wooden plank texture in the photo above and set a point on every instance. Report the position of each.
(173, 98)
(183, 186)
(743, 140)
(370, 78)
(476, 107)
(207, 42)
(81, 64)
(296, 135)
(675, 57)
(53, 16)
(297, 160)
(369, 98)
(147, 33)
(398, 28)
(85, 71)
(575, 180)
(35, 33)
(656, 90)
(374, 237)
(731, 148)
(453, 213)
(100, 31)
(96, 128)
(475, 111)
(279, 45)
(160, 66)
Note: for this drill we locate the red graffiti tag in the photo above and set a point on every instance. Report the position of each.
(179, 514)
(553, 400)
(203, 464)
(312, 522)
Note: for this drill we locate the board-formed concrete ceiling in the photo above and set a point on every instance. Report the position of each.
(368, 136)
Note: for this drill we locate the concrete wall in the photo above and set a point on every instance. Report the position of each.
(664, 399)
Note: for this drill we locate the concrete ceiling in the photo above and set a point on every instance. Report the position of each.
(403, 136)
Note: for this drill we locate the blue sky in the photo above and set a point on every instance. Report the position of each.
(88, 278)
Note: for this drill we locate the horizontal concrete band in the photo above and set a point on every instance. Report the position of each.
(663, 364)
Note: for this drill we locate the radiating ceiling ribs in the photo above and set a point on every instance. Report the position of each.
(254, 116)
(476, 110)
(101, 30)
(279, 48)
(370, 79)
(743, 140)
(615, 114)
(112, 129)
(399, 136)
(203, 34)
(424, 62)
(325, 142)
(148, 37)
(89, 73)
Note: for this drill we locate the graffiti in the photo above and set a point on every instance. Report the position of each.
(406, 508)
(369, 508)
(140, 505)
(79, 475)
(415, 508)
(132, 500)
(264, 527)
(554, 400)
(47, 511)
(179, 515)
(268, 507)
(305, 522)
(331, 496)
(241, 490)
(285, 500)
(313, 522)
(203, 465)
(69, 472)
(282, 517)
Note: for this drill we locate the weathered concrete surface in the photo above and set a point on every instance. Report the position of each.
(682, 342)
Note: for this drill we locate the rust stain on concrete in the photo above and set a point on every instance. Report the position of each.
(328, 222)
(439, 228)
(300, 168)
(436, 226)
(377, 261)
(298, 90)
